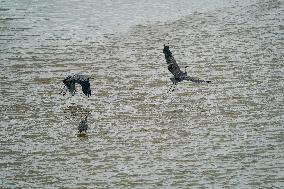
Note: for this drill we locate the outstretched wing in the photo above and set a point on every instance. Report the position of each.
(171, 62)
(84, 82)
(196, 80)
(70, 84)
(86, 87)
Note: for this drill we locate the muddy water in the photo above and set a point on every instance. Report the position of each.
(228, 134)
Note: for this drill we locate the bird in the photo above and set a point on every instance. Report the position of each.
(69, 83)
(174, 68)
(83, 126)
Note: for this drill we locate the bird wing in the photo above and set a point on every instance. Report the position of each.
(70, 84)
(86, 88)
(174, 68)
(171, 62)
(84, 82)
(196, 80)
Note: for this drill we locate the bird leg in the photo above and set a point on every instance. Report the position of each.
(172, 87)
(62, 90)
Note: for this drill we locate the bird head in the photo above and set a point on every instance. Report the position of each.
(166, 48)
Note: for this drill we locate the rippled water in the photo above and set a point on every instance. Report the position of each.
(228, 134)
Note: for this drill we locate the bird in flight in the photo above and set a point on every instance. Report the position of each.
(70, 81)
(174, 68)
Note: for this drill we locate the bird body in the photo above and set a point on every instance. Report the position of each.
(174, 68)
(83, 126)
(83, 80)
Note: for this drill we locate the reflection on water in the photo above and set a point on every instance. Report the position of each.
(227, 134)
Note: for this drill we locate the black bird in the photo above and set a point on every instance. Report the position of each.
(69, 83)
(83, 126)
(175, 69)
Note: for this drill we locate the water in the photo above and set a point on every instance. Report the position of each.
(228, 134)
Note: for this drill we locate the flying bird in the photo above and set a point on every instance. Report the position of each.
(70, 81)
(174, 68)
(83, 126)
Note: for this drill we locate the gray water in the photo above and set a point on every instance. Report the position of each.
(227, 134)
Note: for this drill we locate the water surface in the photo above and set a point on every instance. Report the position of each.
(228, 134)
